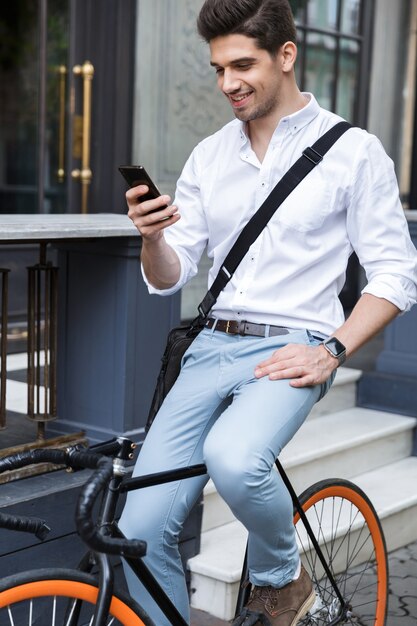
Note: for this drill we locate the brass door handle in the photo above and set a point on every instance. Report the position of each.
(62, 72)
(84, 175)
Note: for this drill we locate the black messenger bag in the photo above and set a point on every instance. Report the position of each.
(180, 338)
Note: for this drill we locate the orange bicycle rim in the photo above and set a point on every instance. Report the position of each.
(341, 491)
(69, 589)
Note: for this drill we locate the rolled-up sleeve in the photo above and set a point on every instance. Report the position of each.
(188, 237)
(378, 229)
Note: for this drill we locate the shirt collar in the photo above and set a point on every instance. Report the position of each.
(294, 122)
(298, 120)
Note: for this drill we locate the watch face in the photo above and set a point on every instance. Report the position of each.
(335, 346)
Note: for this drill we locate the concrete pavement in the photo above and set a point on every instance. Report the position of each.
(403, 587)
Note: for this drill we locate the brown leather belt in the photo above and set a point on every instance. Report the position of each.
(235, 327)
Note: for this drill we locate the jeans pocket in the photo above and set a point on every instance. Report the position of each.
(313, 340)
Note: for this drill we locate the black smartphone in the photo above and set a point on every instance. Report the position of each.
(137, 175)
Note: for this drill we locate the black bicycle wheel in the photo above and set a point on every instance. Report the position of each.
(48, 597)
(349, 533)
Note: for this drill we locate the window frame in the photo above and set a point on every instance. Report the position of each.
(364, 39)
(412, 202)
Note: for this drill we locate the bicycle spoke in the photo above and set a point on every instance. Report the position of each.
(74, 604)
(347, 553)
(346, 534)
(10, 616)
(360, 579)
(355, 554)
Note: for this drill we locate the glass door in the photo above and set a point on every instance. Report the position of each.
(34, 86)
(66, 95)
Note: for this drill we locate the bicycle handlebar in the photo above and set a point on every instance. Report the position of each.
(21, 523)
(29, 457)
(87, 530)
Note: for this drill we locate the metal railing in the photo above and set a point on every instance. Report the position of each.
(4, 273)
(42, 323)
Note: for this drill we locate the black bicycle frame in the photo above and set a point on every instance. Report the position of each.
(138, 566)
(119, 485)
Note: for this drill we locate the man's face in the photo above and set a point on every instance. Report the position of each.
(248, 76)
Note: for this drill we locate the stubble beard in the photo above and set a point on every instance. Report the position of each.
(262, 110)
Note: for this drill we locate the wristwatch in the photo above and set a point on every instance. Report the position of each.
(335, 348)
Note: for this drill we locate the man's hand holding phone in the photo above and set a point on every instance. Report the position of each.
(150, 211)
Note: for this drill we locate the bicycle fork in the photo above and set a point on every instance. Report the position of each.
(90, 559)
(105, 590)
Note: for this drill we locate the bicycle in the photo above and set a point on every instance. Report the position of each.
(340, 539)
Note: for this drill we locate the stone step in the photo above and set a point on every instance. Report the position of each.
(346, 444)
(392, 490)
(215, 572)
(342, 444)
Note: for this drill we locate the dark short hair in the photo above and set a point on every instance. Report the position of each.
(269, 22)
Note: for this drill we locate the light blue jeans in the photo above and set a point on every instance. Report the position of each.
(220, 414)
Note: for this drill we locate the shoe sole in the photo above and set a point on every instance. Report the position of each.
(304, 609)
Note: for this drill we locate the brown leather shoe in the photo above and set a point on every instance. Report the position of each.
(269, 606)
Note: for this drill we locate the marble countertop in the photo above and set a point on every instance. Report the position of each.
(76, 226)
(68, 226)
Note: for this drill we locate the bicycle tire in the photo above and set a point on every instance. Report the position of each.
(350, 535)
(44, 597)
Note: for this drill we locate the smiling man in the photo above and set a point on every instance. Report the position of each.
(277, 332)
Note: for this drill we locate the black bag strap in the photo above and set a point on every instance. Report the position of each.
(251, 231)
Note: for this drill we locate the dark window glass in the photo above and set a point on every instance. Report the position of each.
(19, 75)
(350, 17)
(323, 14)
(21, 117)
(347, 84)
(320, 67)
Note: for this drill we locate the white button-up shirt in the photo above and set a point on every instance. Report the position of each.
(293, 273)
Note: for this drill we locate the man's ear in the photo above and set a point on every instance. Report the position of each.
(288, 54)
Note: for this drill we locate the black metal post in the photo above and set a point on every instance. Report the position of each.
(3, 346)
(42, 341)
